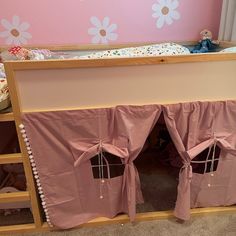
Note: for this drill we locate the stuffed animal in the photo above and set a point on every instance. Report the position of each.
(16, 53)
(19, 53)
(206, 43)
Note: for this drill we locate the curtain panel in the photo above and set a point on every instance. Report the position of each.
(195, 127)
(85, 158)
(63, 145)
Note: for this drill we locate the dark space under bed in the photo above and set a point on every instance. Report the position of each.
(158, 170)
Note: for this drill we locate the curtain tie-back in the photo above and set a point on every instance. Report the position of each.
(97, 147)
(187, 166)
(211, 144)
(214, 140)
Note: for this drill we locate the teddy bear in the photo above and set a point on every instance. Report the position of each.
(206, 44)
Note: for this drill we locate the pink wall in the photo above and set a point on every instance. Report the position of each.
(69, 21)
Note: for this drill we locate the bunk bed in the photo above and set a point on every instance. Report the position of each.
(114, 89)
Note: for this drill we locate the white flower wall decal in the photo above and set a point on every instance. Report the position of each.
(15, 31)
(102, 32)
(165, 12)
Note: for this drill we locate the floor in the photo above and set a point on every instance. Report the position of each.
(158, 182)
(211, 225)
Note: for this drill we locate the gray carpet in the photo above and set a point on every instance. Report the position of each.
(158, 183)
(212, 225)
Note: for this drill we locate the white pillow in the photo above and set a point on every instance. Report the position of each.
(231, 49)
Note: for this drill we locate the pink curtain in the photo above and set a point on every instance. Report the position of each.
(195, 127)
(135, 123)
(63, 143)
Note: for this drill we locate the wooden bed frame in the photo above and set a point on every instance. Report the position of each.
(82, 84)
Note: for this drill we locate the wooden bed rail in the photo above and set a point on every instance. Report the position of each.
(121, 219)
(111, 62)
(88, 47)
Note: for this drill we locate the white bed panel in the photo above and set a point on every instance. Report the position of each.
(110, 86)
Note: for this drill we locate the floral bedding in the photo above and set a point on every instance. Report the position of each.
(142, 51)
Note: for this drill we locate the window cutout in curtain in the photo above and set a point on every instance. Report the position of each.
(116, 167)
(204, 166)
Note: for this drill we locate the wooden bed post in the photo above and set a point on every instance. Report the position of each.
(31, 190)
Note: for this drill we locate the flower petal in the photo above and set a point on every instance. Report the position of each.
(95, 21)
(16, 41)
(105, 22)
(168, 20)
(174, 4)
(4, 34)
(104, 40)
(162, 2)
(96, 39)
(155, 15)
(112, 36)
(9, 40)
(111, 28)
(175, 15)
(160, 22)
(24, 26)
(15, 21)
(6, 24)
(156, 7)
(168, 3)
(93, 31)
(26, 35)
(22, 40)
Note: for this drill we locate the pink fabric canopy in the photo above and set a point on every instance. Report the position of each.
(63, 143)
(195, 127)
(135, 123)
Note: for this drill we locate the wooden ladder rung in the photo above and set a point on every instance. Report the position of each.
(14, 197)
(6, 116)
(11, 158)
(17, 228)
